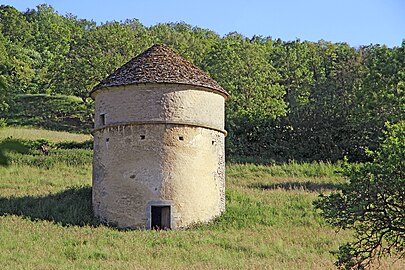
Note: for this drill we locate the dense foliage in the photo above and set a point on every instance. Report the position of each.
(372, 204)
(296, 100)
(50, 112)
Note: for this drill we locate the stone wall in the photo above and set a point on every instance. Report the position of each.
(139, 165)
(159, 102)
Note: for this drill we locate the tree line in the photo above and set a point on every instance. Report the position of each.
(289, 100)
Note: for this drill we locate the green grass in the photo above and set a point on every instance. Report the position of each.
(53, 136)
(46, 221)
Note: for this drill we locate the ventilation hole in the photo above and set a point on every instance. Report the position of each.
(132, 176)
(213, 142)
(107, 140)
(181, 138)
(142, 137)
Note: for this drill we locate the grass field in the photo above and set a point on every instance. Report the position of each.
(29, 133)
(46, 220)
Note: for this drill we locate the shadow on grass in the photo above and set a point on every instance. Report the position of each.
(308, 186)
(69, 207)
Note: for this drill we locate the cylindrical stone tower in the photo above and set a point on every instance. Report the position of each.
(159, 136)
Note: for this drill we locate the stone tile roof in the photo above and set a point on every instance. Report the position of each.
(159, 64)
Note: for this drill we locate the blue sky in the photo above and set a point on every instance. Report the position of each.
(357, 22)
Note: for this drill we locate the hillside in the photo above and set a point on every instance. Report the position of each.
(55, 112)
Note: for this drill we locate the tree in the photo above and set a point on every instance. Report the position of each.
(372, 203)
(3, 103)
(18, 60)
(380, 95)
(3, 68)
(193, 43)
(242, 68)
(14, 25)
(97, 52)
(319, 79)
(51, 39)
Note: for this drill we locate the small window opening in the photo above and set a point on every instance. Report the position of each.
(212, 142)
(160, 217)
(142, 137)
(102, 119)
(181, 138)
(107, 140)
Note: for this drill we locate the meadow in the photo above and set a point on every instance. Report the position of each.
(46, 219)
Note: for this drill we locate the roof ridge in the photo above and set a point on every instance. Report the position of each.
(159, 64)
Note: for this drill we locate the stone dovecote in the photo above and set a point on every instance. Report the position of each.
(159, 159)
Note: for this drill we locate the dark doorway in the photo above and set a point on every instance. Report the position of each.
(160, 217)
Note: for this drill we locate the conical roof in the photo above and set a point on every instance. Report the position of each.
(159, 64)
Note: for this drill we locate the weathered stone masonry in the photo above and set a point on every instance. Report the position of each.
(158, 144)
